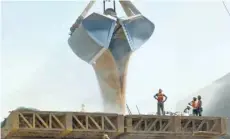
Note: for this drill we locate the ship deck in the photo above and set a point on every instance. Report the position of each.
(79, 125)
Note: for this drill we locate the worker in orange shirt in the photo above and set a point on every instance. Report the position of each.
(161, 98)
(194, 106)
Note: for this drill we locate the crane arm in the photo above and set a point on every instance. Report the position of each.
(129, 8)
(82, 16)
(87, 8)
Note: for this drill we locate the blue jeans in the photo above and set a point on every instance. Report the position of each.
(160, 107)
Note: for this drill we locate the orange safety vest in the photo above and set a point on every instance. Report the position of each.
(194, 104)
(160, 97)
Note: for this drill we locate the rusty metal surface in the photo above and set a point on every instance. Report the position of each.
(43, 124)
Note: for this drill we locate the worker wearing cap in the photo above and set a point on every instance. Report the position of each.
(199, 106)
(194, 106)
(161, 98)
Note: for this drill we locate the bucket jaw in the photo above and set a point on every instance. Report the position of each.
(95, 34)
(138, 29)
(92, 37)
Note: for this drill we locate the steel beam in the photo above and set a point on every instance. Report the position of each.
(45, 124)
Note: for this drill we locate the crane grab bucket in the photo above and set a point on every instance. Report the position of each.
(107, 41)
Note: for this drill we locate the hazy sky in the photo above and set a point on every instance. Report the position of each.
(188, 50)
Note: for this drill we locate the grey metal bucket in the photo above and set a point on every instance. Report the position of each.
(138, 29)
(95, 35)
(92, 37)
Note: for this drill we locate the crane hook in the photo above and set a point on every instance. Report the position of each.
(114, 5)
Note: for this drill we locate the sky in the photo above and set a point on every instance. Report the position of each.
(188, 50)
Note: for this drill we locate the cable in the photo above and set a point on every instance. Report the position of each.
(226, 8)
(104, 6)
(114, 6)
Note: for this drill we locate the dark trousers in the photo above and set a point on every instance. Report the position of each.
(160, 107)
(194, 112)
(199, 111)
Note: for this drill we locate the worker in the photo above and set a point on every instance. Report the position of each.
(187, 110)
(82, 108)
(194, 106)
(199, 106)
(160, 101)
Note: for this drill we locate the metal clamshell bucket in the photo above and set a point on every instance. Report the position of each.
(138, 29)
(93, 37)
